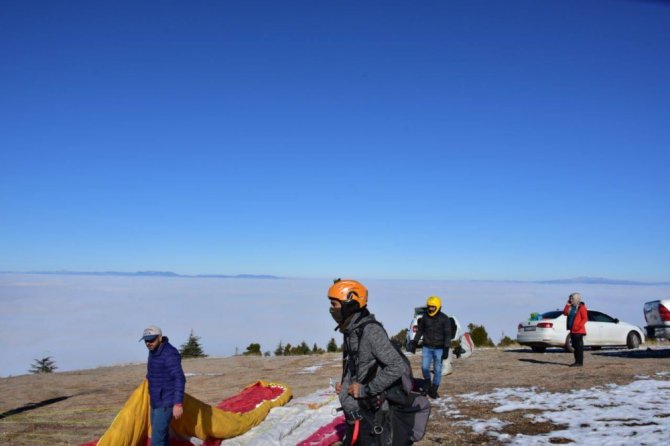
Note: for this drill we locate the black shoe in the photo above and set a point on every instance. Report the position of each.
(433, 392)
(576, 364)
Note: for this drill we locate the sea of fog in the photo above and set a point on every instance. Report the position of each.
(90, 321)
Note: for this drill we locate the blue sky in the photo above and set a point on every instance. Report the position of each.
(415, 140)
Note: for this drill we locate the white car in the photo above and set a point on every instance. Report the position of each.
(657, 315)
(549, 330)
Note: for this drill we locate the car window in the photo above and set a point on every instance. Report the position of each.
(419, 311)
(551, 314)
(597, 316)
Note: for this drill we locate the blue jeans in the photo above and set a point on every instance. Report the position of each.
(160, 426)
(433, 355)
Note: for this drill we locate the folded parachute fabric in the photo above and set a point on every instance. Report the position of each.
(232, 417)
(310, 420)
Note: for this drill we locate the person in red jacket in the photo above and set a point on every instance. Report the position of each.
(577, 315)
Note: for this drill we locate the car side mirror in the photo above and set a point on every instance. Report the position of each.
(616, 321)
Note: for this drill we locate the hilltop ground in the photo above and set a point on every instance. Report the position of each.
(71, 408)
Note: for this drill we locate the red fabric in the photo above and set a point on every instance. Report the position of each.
(579, 324)
(249, 398)
(328, 434)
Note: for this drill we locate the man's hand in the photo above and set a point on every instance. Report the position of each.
(412, 346)
(177, 411)
(445, 354)
(338, 388)
(354, 390)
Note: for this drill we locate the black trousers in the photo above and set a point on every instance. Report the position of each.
(577, 340)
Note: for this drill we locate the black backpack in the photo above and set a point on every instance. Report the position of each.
(407, 409)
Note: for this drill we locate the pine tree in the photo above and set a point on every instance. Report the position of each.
(279, 351)
(400, 337)
(303, 349)
(479, 336)
(506, 341)
(332, 345)
(44, 365)
(191, 348)
(253, 349)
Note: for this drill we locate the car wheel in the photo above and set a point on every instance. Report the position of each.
(633, 340)
(568, 345)
(538, 349)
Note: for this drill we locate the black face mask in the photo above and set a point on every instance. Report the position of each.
(336, 314)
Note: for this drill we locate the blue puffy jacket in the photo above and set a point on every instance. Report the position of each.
(165, 375)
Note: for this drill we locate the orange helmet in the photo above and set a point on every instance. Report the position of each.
(348, 290)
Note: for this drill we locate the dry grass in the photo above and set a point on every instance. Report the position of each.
(71, 408)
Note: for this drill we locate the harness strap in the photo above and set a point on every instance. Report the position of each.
(354, 437)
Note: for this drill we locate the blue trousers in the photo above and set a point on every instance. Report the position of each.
(160, 426)
(433, 355)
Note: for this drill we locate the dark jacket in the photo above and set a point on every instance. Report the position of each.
(373, 348)
(436, 331)
(165, 375)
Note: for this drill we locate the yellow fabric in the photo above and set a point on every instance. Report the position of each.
(131, 426)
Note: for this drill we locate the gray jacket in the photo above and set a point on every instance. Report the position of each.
(374, 347)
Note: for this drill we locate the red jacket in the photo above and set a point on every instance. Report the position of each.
(579, 324)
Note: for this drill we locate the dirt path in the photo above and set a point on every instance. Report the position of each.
(74, 407)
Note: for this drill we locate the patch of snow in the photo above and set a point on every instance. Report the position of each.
(446, 406)
(311, 369)
(491, 424)
(636, 413)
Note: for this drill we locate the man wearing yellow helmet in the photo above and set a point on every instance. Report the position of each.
(371, 364)
(435, 328)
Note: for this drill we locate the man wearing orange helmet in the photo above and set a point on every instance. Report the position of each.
(435, 328)
(371, 364)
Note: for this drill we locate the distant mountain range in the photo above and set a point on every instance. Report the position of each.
(575, 280)
(599, 281)
(151, 274)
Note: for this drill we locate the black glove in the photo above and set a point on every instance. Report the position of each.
(445, 353)
(412, 347)
(352, 417)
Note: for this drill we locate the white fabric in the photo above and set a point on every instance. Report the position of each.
(465, 342)
(292, 423)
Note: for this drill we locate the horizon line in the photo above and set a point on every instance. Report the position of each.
(168, 274)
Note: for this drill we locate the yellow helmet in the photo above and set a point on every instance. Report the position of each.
(434, 301)
(347, 290)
